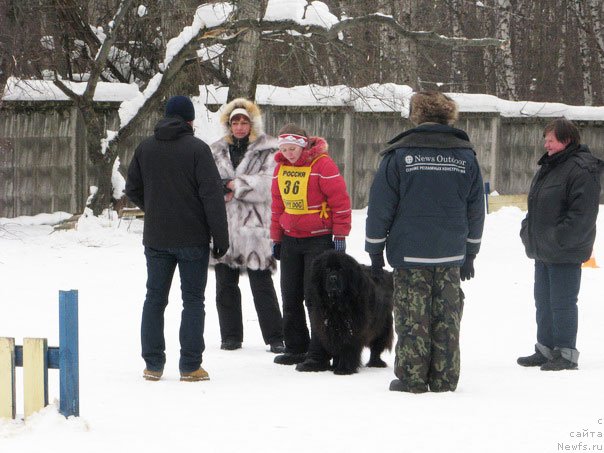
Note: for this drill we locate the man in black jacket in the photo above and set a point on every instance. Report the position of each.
(558, 233)
(173, 178)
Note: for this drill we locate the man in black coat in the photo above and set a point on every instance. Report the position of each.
(173, 178)
(558, 233)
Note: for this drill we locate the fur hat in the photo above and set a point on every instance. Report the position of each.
(250, 109)
(180, 106)
(432, 107)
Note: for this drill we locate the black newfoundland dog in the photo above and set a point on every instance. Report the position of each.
(350, 309)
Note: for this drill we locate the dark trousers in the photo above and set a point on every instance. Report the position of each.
(556, 291)
(228, 304)
(297, 255)
(193, 268)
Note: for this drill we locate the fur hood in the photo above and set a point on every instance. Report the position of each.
(316, 147)
(255, 117)
(432, 107)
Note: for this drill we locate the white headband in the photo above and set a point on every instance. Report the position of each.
(293, 139)
(239, 111)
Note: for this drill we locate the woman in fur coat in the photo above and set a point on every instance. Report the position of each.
(245, 160)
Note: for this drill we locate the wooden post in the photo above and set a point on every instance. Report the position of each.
(35, 375)
(495, 142)
(349, 157)
(69, 367)
(8, 396)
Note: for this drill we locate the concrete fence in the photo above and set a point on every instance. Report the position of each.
(44, 165)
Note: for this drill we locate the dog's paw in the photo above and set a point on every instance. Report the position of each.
(343, 371)
(377, 363)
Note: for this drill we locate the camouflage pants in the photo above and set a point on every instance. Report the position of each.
(428, 304)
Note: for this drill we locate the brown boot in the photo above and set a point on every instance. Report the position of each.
(151, 375)
(198, 375)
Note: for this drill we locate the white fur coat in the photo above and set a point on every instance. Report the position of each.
(249, 212)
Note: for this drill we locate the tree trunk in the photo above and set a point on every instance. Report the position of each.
(244, 71)
(561, 63)
(506, 78)
(459, 66)
(406, 68)
(598, 33)
(588, 97)
(102, 164)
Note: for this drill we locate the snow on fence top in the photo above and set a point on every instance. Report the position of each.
(372, 98)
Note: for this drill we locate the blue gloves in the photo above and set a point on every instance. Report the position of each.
(339, 244)
(277, 250)
(466, 272)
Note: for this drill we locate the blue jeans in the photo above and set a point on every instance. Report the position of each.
(556, 290)
(193, 268)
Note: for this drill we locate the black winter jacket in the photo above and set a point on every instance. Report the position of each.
(173, 178)
(560, 225)
(426, 204)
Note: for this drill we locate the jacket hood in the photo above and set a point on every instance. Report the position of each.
(255, 118)
(316, 147)
(430, 135)
(172, 128)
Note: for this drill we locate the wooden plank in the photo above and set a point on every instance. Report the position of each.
(52, 357)
(499, 201)
(35, 375)
(8, 397)
(69, 368)
(131, 213)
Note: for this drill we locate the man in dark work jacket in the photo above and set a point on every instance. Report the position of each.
(173, 178)
(558, 233)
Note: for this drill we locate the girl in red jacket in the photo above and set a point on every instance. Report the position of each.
(310, 214)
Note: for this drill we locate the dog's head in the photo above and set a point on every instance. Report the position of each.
(333, 283)
(335, 273)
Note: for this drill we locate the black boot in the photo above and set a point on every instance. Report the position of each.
(290, 358)
(558, 363)
(537, 359)
(399, 386)
(230, 345)
(313, 365)
(277, 347)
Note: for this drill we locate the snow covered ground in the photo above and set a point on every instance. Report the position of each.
(253, 405)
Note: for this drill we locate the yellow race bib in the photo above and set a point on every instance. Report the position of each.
(293, 185)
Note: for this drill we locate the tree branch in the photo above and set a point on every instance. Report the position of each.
(103, 53)
(70, 13)
(331, 33)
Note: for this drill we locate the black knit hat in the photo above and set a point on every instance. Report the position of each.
(180, 106)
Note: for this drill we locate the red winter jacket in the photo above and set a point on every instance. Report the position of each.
(324, 185)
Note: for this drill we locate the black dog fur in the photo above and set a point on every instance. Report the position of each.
(350, 309)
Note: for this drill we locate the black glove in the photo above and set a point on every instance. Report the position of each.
(277, 250)
(466, 272)
(218, 253)
(377, 264)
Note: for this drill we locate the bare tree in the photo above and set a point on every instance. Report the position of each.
(579, 10)
(506, 76)
(239, 36)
